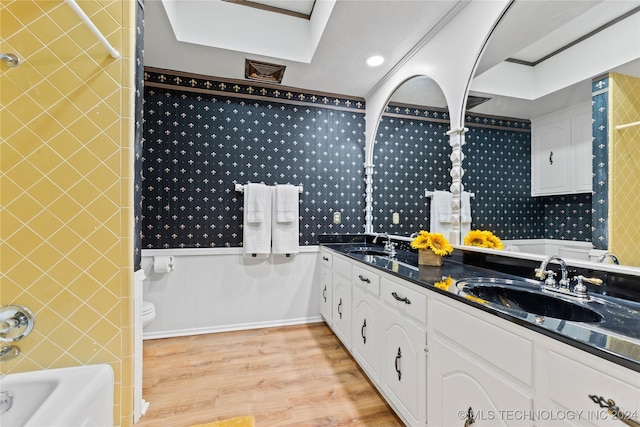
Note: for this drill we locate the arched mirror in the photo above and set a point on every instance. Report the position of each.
(410, 157)
(554, 166)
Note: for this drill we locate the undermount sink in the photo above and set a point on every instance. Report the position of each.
(521, 295)
(367, 250)
(75, 396)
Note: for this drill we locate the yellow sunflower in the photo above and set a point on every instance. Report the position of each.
(444, 284)
(440, 245)
(494, 242)
(475, 238)
(422, 240)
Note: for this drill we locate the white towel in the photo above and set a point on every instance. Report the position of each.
(256, 234)
(465, 213)
(440, 221)
(284, 235)
(257, 198)
(286, 203)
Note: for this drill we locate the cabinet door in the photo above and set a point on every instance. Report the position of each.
(576, 390)
(365, 333)
(403, 367)
(326, 292)
(342, 308)
(550, 150)
(461, 388)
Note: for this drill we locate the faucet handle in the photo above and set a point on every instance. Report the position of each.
(592, 280)
(541, 274)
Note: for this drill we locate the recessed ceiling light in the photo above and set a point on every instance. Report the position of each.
(374, 61)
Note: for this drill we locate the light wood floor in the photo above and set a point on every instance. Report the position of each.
(288, 376)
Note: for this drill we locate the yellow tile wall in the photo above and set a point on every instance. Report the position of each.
(624, 168)
(66, 198)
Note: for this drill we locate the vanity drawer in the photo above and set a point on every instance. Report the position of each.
(490, 342)
(404, 299)
(366, 280)
(342, 266)
(326, 258)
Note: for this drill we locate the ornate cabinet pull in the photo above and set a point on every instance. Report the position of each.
(364, 325)
(551, 157)
(397, 364)
(364, 279)
(404, 300)
(325, 258)
(614, 410)
(340, 305)
(469, 419)
(324, 293)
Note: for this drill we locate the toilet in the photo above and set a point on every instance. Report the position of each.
(148, 313)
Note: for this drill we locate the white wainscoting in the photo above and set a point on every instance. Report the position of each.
(217, 289)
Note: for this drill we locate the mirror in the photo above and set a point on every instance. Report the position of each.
(543, 68)
(410, 156)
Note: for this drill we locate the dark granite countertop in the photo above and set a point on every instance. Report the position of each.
(616, 338)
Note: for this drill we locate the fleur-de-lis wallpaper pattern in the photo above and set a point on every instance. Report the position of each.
(202, 135)
(198, 145)
(600, 129)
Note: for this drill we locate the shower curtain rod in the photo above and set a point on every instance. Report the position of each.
(114, 53)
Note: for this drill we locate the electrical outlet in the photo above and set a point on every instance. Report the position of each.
(337, 218)
(396, 218)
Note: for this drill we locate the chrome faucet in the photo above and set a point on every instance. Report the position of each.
(548, 275)
(609, 255)
(578, 291)
(389, 247)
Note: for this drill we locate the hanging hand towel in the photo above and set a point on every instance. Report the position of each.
(284, 235)
(256, 233)
(465, 213)
(286, 203)
(440, 221)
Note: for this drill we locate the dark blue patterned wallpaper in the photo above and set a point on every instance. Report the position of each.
(199, 144)
(203, 135)
(498, 171)
(600, 128)
(411, 155)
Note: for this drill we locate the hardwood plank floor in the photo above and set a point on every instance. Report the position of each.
(288, 376)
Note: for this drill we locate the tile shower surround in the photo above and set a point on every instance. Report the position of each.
(202, 135)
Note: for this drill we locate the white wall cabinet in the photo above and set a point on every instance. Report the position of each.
(561, 152)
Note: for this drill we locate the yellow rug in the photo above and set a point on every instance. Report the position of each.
(246, 421)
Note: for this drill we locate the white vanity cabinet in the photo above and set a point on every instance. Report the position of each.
(574, 383)
(325, 280)
(403, 364)
(478, 369)
(365, 335)
(561, 152)
(342, 299)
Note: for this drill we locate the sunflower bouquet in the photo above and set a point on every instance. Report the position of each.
(483, 239)
(438, 244)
